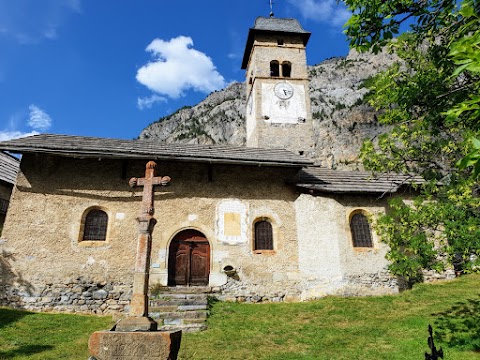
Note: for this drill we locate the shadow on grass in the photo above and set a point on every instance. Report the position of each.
(459, 326)
(8, 316)
(24, 350)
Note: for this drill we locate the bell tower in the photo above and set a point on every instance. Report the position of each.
(278, 113)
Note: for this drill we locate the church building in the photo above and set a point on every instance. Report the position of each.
(254, 223)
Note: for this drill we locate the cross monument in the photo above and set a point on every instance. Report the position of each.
(138, 319)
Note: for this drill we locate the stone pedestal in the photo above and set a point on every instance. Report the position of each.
(131, 323)
(137, 345)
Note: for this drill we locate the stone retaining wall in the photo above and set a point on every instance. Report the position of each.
(80, 297)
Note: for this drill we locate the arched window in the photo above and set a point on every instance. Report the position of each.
(263, 236)
(360, 228)
(286, 69)
(274, 68)
(95, 228)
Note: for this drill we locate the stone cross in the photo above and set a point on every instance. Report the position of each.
(138, 319)
(148, 183)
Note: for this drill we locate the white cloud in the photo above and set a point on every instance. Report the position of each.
(9, 135)
(74, 5)
(177, 67)
(328, 11)
(50, 32)
(29, 22)
(147, 102)
(39, 119)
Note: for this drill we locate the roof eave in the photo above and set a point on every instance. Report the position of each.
(146, 155)
(251, 34)
(347, 191)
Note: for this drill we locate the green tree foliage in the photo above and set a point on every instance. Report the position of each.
(431, 100)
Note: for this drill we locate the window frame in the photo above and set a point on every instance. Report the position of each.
(360, 245)
(272, 236)
(97, 242)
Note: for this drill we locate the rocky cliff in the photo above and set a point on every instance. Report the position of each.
(341, 118)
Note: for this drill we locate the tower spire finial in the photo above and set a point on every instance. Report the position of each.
(271, 8)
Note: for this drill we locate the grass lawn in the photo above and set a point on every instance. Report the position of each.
(28, 335)
(387, 327)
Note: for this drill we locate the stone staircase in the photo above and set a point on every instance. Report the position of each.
(181, 308)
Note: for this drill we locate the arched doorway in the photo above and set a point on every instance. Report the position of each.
(189, 259)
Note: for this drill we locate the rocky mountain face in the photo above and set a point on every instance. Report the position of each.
(341, 119)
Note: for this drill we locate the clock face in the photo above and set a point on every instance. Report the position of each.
(283, 90)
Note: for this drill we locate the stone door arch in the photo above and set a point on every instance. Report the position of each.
(189, 259)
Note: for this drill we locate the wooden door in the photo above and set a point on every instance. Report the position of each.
(189, 259)
(199, 263)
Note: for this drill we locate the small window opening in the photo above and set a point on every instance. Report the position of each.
(301, 152)
(286, 69)
(263, 236)
(360, 228)
(274, 68)
(95, 226)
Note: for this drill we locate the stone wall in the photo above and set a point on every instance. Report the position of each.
(42, 255)
(45, 265)
(80, 296)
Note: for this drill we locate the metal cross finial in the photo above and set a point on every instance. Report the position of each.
(271, 8)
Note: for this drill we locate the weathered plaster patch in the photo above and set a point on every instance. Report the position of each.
(162, 255)
(219, 256)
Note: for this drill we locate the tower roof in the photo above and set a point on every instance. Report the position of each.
(273, 25)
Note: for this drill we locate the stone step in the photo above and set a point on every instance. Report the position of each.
(178, 302)
(185, 289)
(184, 327)
(168, 296)
(178, 309)
(181, 308)
(199, 314)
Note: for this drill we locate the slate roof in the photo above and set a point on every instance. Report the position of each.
(309, 177)
(337, 181)
(92, 147)
(278, 24)
(272, 25)
(9, 166)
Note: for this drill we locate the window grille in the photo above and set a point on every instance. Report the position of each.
(3, 206)
(274, 68)
(95, 226)
(361, 234)
(263, 236)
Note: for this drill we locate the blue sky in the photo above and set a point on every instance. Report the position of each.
(109, 68)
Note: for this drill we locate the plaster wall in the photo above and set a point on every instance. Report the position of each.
(328, 261)
(281, 130)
